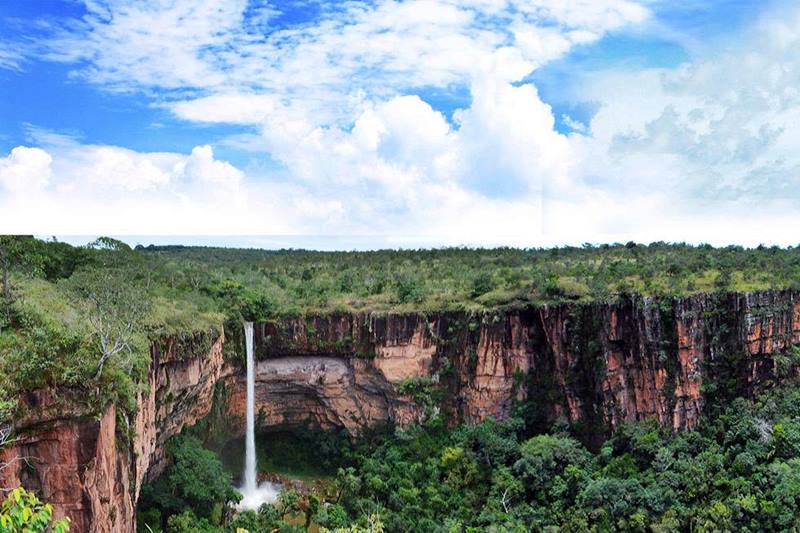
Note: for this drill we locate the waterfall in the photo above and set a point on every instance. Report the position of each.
(250, 484)
(253, 494)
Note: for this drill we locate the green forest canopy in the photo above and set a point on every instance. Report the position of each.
(740, 471)
(279, 282)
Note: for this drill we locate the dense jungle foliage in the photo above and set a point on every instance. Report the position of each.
(739, 472)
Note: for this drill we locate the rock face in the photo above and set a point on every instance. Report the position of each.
(596, 365)
(85, 465)
(77, 466)
(180, 391)
(323, 392)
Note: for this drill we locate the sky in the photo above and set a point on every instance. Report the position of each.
(367, 124)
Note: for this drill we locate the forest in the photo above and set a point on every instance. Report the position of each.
(83, 318)
(740, 471)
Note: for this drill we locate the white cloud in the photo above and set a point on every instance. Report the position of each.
(70, 187)
(379, 48)
(508, 139)
(334, 101)
(119, 168)
(161, 43)
(201, 167)
(25, 170)
(198, 194)
(716, 136)
(339, 103)
(328, 102)
(9, 59)
(233, 108)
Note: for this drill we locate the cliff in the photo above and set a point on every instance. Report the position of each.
(596, 365)
(87, 465)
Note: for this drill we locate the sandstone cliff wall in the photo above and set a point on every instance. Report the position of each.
(596, 365)
(87, 465)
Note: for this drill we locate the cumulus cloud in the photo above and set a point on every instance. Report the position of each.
(335, 101)
(25, 170)
(69, 186)
(172, 193)
(339, 102)
(715, 137)
(201, 167)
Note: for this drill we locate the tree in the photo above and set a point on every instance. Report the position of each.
(288, 502)
(110, 244)
(552, 464)
(347, 482)
(724, 280)
(187, 522)
(22, 512)
(114, 304)
(310, 507)
(16, 251)
(481, 284)
(374, 525)
(195, 480)
(5, 260)
(5, 439)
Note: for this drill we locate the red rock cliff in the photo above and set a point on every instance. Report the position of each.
(84, 464)
(597, 364)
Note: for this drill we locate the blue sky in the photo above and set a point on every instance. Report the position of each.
(42, 94)
(425, 121)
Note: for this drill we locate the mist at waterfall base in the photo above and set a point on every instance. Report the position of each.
(253, 493)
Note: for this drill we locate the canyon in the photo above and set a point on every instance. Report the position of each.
(594, 365)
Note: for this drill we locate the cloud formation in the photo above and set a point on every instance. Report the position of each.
(718, 135)
(25, 170)
(340, 103)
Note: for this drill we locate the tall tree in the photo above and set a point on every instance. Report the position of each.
(114, 303)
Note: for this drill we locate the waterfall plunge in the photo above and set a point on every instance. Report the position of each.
(253, 494)
(250, 484)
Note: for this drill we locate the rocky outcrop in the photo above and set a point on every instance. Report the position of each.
(595, 365)
(88, 466)
(179, 392)
(319, 391)
(76, 465)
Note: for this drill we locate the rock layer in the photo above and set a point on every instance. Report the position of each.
(596, 365)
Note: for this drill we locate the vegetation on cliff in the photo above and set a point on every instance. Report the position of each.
(297, 281)
(22, 512)
(85, 317)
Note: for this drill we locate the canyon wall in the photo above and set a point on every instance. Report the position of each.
(594, 365)
(90, 466)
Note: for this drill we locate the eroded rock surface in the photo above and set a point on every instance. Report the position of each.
(327, 392)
